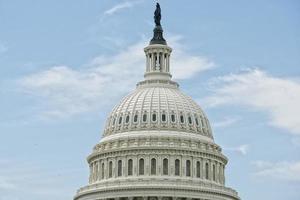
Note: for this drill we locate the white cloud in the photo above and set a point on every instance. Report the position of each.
(242, 149)
(226, 122)
(289, 171)
(3, 48)
(24, 180)
(279, 97)
(121, 6)
(64, 91)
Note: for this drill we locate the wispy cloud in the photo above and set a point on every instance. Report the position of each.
(30, 181)
(228, 121)
(289, 171)
(63, 91)
(121, 6)
(3, 48)
(242, 149)
(279, 97)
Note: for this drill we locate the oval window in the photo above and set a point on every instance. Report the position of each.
(181, 119)
(144, 117)
(173, 118)
(135, 119)
(163, 117)
(127, 119)
(190, 120)
(154, 117)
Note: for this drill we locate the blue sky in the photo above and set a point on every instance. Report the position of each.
(65, 64)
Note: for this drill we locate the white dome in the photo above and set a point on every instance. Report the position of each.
(157, 143)
(158, 106)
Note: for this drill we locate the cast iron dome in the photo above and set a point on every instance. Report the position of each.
(157, 143)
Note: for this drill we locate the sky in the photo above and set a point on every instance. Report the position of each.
(65, 64)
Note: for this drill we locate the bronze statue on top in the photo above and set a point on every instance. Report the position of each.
(158, 37)
(157, 15)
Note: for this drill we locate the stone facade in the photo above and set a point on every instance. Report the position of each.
(157, 145)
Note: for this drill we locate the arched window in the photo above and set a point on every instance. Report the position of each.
(114, 121)
(130, 167)
(177, 167)
(188, 168)
(165, 167)
(154, 117)
(120, 120)
(198, 168)
(206, 171)
(173, 119)
(102, 171)
(163, 117)
(141, 166)
(153, 166)
(127, 119)
(135, 118)
(214, 173)
(144, 117)
(120, 168)
(110, 169)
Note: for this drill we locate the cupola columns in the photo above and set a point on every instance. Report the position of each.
(158, 53)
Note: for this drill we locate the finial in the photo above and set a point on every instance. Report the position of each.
(158, 31)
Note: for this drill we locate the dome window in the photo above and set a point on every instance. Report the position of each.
(153, 166)
(177, 167)
(181, 119)
(190, 120)
(141, 166)
(120, 120)
(120, 168)
(130, 167)
(165, 166)
(154, 118)
(145, 117)
(163, 117)
(188, 168)
(198, 169)
(196, 120)
(110, 169)
(173, 119)
(206, 171)
(127, 119)
(135, 118)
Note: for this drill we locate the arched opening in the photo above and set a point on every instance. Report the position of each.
(120, 168)
(153, 166)
(141, 166)
(130, 167)
(110, 169)
(177, 167)
(165, 166)
(214, 173)
(102, 171)
(188, 168)
(198, 168)
(206, 171)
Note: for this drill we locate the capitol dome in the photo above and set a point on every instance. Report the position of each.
(157, 143)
